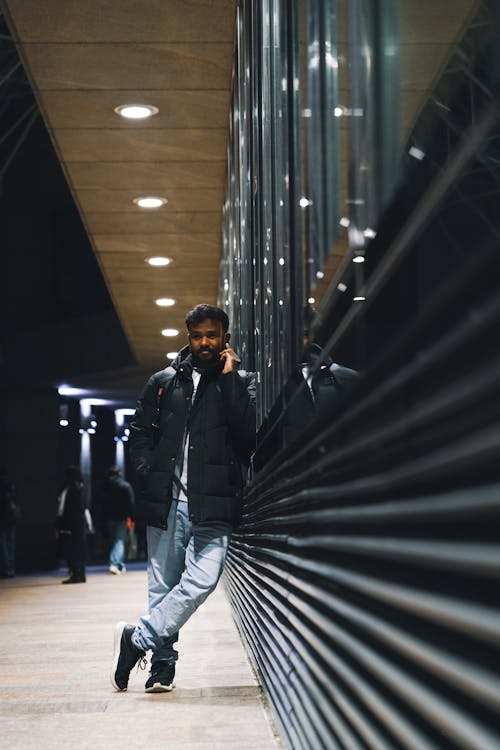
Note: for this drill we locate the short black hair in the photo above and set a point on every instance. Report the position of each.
(203, 311)
(73, 474)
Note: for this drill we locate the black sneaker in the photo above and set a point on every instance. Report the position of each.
(125, 656)
(161, 679)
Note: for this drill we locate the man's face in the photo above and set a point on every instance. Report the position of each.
(207, 340)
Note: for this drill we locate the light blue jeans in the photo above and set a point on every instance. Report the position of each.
(185, 563)
(117, 533)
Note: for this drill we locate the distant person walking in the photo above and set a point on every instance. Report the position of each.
(118, 505)
(72, 524)
(9, 514)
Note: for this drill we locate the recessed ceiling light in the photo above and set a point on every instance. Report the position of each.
(136, 111)
(359, 298)
(165, 302)
(172, 355)
(304, 202)
(150, 201)
(170, 332)
(358, 259)
(311, 300)
(159, 261)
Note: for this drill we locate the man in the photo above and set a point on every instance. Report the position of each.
(191, 438)
(9, 515)
(118, 505)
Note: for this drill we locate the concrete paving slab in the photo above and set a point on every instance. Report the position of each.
(55, 658)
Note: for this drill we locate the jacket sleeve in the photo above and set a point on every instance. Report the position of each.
(142, 428)
(238, 393)
(131, 502)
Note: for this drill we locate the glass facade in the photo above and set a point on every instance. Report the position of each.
(367, 554)
(327, 98)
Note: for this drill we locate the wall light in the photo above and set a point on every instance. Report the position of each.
(165, 302)
(63, 415)
(67, 390)
(136, 111)
(417, 153)
(150, 201)
(88, 423)
(170, 332)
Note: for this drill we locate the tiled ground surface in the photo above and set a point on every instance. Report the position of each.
(55, 655)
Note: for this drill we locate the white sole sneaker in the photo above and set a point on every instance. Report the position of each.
(158, 687)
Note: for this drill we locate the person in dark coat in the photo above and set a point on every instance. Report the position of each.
(9, 515)
(72, 524)
(118, 505)
(190, 442)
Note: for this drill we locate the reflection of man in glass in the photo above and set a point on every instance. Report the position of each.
(327, 383)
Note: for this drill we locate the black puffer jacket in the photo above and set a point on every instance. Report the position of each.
(221, 425)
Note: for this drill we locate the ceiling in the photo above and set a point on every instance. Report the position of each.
(86, 58)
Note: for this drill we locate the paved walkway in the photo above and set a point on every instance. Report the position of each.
(55, 657)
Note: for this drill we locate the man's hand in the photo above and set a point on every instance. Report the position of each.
(230, 359)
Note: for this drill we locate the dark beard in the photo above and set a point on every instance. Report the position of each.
(214, 366)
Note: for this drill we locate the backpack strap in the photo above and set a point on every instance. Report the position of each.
(166, 377)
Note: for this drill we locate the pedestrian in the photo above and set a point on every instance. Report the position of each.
(73, 522)
(9, 515)
(118, 503)
(191, 440)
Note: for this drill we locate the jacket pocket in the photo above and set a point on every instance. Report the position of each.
(158, 485)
